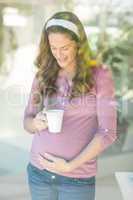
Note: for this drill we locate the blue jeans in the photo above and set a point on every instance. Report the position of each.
(45, 185)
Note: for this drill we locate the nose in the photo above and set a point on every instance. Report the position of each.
(59, 54)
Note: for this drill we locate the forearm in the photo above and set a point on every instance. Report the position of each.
(92, 150)
(28, 125)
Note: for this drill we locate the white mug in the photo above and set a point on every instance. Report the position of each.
(54, 119)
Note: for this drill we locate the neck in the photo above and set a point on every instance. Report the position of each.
(70, 71)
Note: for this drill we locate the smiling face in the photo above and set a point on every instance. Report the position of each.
(63, 49)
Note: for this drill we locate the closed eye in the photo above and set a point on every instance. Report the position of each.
(65, 48)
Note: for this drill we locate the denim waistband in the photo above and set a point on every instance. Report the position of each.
(50, 177)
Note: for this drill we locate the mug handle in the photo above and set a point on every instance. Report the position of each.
(41, 115)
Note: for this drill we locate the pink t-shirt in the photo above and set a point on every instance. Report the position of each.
(86, 117)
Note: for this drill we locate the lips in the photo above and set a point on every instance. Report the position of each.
(59, 60)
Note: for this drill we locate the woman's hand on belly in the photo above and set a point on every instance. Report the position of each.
(54, 164)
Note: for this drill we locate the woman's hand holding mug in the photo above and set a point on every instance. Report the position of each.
(40, 121)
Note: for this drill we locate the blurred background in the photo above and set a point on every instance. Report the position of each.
(109, 27)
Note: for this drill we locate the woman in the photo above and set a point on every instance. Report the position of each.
(63, 166)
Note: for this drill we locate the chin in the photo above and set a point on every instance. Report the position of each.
(63, 65)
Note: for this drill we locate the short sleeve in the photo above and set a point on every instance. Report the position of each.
(106, 107)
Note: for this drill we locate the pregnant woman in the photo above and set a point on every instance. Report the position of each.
(63, 166)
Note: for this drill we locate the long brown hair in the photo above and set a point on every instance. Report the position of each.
(48, 67)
